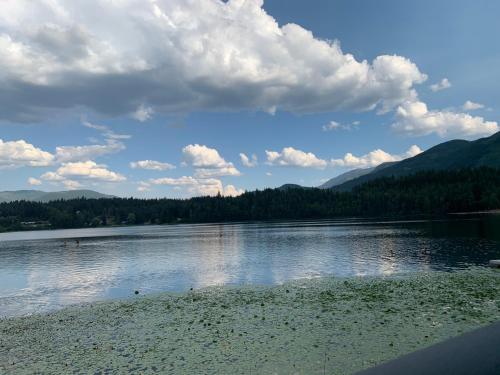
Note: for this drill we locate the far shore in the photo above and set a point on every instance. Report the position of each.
(360, 219)
(318, 326)
(487, 212)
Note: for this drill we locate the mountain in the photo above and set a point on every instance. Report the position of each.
(344, 177)
(455, 154)
(291, 186)
(340, 179)
(42, 196)
(353, 174)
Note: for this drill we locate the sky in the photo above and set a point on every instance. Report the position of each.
(177, 98)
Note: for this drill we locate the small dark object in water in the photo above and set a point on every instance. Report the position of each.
(190, 288)
(136, 292)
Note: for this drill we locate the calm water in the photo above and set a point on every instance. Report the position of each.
(45, 270)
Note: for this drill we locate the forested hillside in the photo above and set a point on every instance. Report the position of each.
(424, 193)
(451, 155)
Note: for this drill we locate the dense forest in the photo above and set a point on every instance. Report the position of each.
(424, 193)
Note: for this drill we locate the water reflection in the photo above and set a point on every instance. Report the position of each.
(38, 272)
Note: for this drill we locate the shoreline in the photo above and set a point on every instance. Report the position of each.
(359, 219)
(304, 327)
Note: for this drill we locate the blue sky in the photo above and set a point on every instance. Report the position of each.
(161, 98)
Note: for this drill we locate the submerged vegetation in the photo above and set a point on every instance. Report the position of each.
(318, 326)
(423, 193)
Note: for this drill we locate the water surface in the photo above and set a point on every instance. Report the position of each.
(46, 270)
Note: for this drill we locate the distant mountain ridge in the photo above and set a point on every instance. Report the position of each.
(43, 196)
(291, 186)
(344, 177)
(455, 154)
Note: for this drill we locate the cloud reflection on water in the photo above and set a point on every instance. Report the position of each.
(43, 274)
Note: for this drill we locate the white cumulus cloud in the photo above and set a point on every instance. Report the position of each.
(71, 184)
(373, 158)
(291, 157)
(14, 154)
(216, 172)
(441, 85)
(249, 162)
(66, 154)
(83, 170)
(177, 55)
(201, 156)
(34, 181)
(413, 117)
(232, 191)
(151, 165)
(199, 187)
(471, 106)
(52, 176)
(208, 162)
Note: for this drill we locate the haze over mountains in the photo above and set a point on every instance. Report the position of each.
(42, 196)
(455, 154)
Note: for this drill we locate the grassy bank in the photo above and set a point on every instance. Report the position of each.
(309, 327)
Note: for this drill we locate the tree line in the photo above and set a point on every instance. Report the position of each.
(423, 193)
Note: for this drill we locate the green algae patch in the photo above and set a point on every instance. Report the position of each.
(319, 326)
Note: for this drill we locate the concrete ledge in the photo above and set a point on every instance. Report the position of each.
(495, 263)
(476, 353)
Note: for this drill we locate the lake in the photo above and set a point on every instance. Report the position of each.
(42, 271)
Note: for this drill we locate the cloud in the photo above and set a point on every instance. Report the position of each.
(412, 151)
(52, 176)
(290, 157)
(197, 187)
(208, 162)
(88, 170)
(373, 158)
(231, 191)
(144, 186)
(151, 165)
(107, 132)
(179, 56)
(181, 181)
(143, 113)
(201, 156)
(332, 125)
(34, 181)
(15, 154)
(414, 118)
(247, 162)
(66, 154)
(441, 85)
(216, 172)
(471, 106)
(113, 144)
(71, 184)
